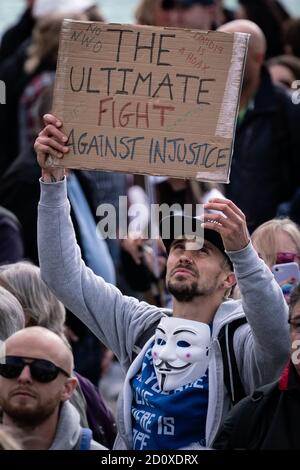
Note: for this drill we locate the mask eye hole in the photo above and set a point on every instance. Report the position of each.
(183, 344)
(160, 342)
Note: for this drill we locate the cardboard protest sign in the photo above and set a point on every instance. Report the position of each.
(147, 100)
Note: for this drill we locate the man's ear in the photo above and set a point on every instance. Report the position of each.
(229, 281)
(69, 388)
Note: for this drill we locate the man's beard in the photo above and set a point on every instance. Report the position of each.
(184, 292)
(29, 418)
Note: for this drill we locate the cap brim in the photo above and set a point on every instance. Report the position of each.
(178, 225)
(190, 3)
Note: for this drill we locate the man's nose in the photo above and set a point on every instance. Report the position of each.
(25, 376)
(186, 258)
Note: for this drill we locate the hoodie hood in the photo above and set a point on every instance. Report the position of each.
(68, 429)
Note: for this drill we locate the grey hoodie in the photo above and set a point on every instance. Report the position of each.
(68, 431)
(261, 346)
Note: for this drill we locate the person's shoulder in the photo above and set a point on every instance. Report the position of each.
(266, 390)
(8, 218)
(258, 398)
(245, 418)
(263, 393)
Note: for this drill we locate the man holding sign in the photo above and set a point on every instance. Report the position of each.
(174, 393)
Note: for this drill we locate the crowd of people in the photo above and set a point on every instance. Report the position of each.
(204, 333)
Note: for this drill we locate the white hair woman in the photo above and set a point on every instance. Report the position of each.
(12, 316)
(40, 306)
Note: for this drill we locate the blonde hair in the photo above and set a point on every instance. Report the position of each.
(7, 441)
(45, 39)
(264, 238)
(23, 280)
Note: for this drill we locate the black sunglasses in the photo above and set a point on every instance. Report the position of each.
(167, 4)
(41, 370)
(170, 4)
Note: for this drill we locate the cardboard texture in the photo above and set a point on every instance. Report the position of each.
(158, 101)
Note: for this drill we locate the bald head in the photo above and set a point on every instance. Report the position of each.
(257, 41)
(40, 343)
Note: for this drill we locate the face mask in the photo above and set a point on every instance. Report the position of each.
(180, 352)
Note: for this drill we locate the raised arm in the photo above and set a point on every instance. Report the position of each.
(262, 351)
(115, 319)
(51, 143)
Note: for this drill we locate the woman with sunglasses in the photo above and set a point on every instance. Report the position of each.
(278, 242)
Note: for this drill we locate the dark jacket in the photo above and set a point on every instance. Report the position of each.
(14, 36)
(269, 419)
(15, 78)
(19, 193)
(265, 168)
(11, 243)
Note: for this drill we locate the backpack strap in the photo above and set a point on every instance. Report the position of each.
(232, 377)
(142, 340)
(86, 438)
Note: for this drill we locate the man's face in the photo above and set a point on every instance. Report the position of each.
(25, 400)
(295, 335)
(194, 273)
(253, 67)
(195, 17)
(165, 16)
(250, 71)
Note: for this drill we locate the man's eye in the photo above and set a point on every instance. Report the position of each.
(183, 344)
(203, 250)
(160, 342)
(178, 246)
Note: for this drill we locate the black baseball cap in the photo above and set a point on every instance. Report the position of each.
(175, 225)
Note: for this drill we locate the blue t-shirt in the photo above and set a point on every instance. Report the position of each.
(167, 419)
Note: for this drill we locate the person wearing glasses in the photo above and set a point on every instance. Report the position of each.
(36, 383)
(269, 419)
(278, 242)
(193, 14)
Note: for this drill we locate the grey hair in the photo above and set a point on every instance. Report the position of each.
(24, 281)
(12, 317)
